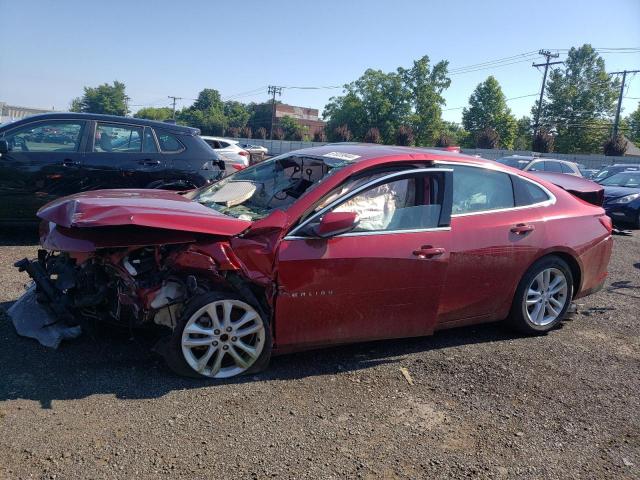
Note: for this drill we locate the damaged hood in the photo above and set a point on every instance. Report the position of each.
(146, 208)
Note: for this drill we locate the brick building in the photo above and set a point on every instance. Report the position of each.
(305, 117)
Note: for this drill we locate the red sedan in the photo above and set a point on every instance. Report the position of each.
(323, 246)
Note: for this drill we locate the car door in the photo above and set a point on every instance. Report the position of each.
(496, 235)
(384, 279)
(117, 159)
(43, 163)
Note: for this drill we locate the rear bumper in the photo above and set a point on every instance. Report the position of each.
(595, 263)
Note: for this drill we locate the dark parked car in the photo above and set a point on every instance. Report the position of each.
(609, 170)
(52, 155)
(622, 197)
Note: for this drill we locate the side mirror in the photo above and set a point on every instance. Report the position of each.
(335, 223)
(4, 147)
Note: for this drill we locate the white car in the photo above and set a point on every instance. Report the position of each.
(541, 164)
(235, 158)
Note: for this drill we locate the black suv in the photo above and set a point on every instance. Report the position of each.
(56, 154)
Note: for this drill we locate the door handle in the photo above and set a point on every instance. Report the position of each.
(149, 162)
(522, 228)
(67, 162)
(428, 251)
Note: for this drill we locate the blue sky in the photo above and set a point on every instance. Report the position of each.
(49, 50)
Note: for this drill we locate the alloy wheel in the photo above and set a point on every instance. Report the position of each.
(223, 338)
(546, 297)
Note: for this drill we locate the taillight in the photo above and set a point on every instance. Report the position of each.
(606, 222)
(237, 167)
(243, 153)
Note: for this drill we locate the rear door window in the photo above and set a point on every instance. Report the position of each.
(479, 189)
(527, 193)
(117, 138)
(149, 141)
(566, 168)
(169, 143)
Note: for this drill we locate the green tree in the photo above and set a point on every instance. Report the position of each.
(206, 113)
(633, 121)
(260, 116)
(151, 113)
(524, 134)
(423, 88)
(488, 109)
(236, 113)
(105, 98)
(291, 128)
(580, 101)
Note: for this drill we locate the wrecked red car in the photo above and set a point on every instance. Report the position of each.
(322, 246)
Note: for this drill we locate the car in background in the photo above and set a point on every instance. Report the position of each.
(257, 152)
(323, 246)
(235, 158)
(609, 170)
(588, 173)
(539, 164)
(47, 156)
(622, 197)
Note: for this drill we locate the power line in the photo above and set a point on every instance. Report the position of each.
(506, 100)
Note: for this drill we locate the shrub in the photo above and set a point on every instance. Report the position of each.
(278, 133)
(615, 146)
(320, 136)
(487, 138)
(543, 141)
(404, 136)
(343, 134)
(444, 140)
(373, 136)
(245, 132)
(261, 133)
(298, 135)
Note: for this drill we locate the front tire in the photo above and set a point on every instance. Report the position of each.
(219, 335)
(543, 296)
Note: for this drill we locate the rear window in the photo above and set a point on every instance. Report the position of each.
(169, 142)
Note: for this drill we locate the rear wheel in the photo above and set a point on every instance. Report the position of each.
(219, 336)
(543, 296)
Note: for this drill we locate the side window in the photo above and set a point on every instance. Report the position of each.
(566, 168)
(53, 136)
(116, 138)
(168, 142)
(527, 193)
(601, 174)
(406, 204)
(479, 189)
(537, 166)
(149, 142)
(223, 144)
(552, 167)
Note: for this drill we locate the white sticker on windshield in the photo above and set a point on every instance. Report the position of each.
(341, 155)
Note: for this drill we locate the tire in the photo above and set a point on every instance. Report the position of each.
(198, 335)
(539, 312)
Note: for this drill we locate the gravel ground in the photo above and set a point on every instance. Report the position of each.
(484, 403)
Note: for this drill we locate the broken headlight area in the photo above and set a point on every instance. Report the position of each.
(130, 288)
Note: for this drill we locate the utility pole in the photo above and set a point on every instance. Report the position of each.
(548, 55)
(616, 123)
(126, 105)
(174, 104)
(272, 91)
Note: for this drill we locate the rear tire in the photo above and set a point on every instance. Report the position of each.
(543, 296)
(219, 335)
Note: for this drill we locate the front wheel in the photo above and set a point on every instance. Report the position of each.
(219, 336)
(543, 296)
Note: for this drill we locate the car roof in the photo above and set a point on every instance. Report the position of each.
(170, 127)
(229, 140)
(358, 152)
(624, 165)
